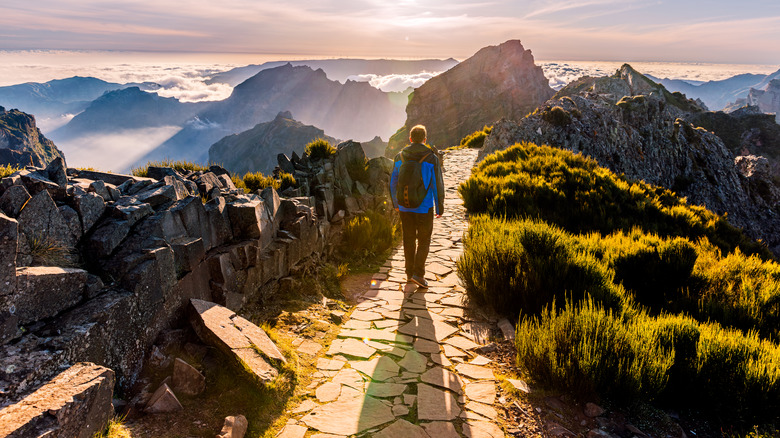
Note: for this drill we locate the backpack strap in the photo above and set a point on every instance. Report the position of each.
(426, 156)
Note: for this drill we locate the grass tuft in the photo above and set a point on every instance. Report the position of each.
(319, 149)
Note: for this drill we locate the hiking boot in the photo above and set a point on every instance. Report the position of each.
(419, 281)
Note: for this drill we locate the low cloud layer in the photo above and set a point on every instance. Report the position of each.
(395, 82)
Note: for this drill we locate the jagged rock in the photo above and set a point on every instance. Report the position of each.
(56, 172)
(159, 196)
(285, 164)
(186, 379)
(132, 213)
(45, 291)
(13, 200)
(234, 427)
(593, 410)
(99, 187)
(163, 401)
(498, 81)
(249, 220)
(36, 182)
(206, 183)
(41, 219)
(76, 403)
(139, 187)
(750, 166)
(90, 207)
(73, 221)
(108, 236)
(350, 156)
(236, 337)
(188, 252)
(159, 173)
(9, 235)
(646, 137)
(218, 170)
(23, 143)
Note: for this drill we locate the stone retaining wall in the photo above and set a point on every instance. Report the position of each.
(133, 252)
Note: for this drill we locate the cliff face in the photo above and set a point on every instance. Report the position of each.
(21, 142)
(256, 149)
(634, 126)
(498, 81)
(767, 99)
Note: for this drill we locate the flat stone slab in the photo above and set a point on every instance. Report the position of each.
(76, 403)
(309, 347)
(349, 416)
(475, 372)
(305, 406)
(376, 335)
(414, 362)
(330, 364)
(451, 351)
(382, 390)
(428, 329)
(480, 360)
(441, 429)
(351, 347)
(236, 337)
(520, 385)
(438, 269)
(356, 324)
(482, 409)
(328, 392)
(426, 346)
(380, 369)
(293, 431)
(436, 404)
(482, 429)
(483, 392)
(349, 377)
(365, 315)
(444, 378)
(402, 428)
(462, 343)
(440, 359)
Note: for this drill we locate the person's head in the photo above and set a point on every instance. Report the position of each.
(418, 134)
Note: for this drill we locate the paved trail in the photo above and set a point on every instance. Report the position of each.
(404, 364)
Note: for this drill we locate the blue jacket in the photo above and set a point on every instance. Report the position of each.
(432, 177)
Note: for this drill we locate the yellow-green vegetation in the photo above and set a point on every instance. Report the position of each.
(178, 165)
(319, 149)
(623, 289)
(7, 170)
(367, 235)
(476, 139)
(46, 251)
(286, 180)
(114, 429)
(574, 192)
(253, 181)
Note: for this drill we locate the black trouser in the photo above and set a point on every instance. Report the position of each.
(417, 229)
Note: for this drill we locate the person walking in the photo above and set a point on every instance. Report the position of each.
(417, 188)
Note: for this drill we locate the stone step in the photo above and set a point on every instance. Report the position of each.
(76, 403)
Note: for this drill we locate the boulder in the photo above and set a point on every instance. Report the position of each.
(108, 236)
(100, 188)
(163, 401)
(40, 218)
(207, 182)
(13, 200)
(56, 172)
(285, 164)
(159, 173)
(71, 218)
(239, 339)
(249, 220)
(36, 182)
(9, 235)
(186, 379)
(349, 155)
(116, 179)
(234, 427)
(76, 403)
(90, 207)
(45, 291)
(133, 212)
(188, 253)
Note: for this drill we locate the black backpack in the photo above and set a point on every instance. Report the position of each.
(411, 187)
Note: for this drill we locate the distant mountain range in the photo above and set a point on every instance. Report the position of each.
(718, 95)
(256, 149)
(340, 69)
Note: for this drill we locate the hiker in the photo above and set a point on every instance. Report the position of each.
(417, 186)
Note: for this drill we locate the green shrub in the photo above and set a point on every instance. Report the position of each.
(577, 194)
(476, 139)
(239, 183)
(557, 116)
(589, 350)
(367, 234)
(522, 266)
(7, 170)
(286, 180)
(257, 181)
(179, 165)
(319, 149)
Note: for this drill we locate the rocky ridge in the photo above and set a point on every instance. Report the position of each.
(632, 125)
(498, 81)
(125, 256)
(767, 99)
(22, 143)
(254, 150)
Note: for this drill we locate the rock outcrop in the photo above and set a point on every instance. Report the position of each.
(634, 126)
(22, 143)
(146, 247)
(767, 99)
(498, 81)
(255, 150)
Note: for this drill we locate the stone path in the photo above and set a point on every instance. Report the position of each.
(404, 364)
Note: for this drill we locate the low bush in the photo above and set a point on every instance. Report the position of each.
(319, 149)
(557, 116)
(254, 181)
(7, 170)
(476, 139)
(577, 194)
(239, 183)
(367, 234)
(179, 165)
(287, 180)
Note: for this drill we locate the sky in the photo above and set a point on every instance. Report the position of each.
(716, 31)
